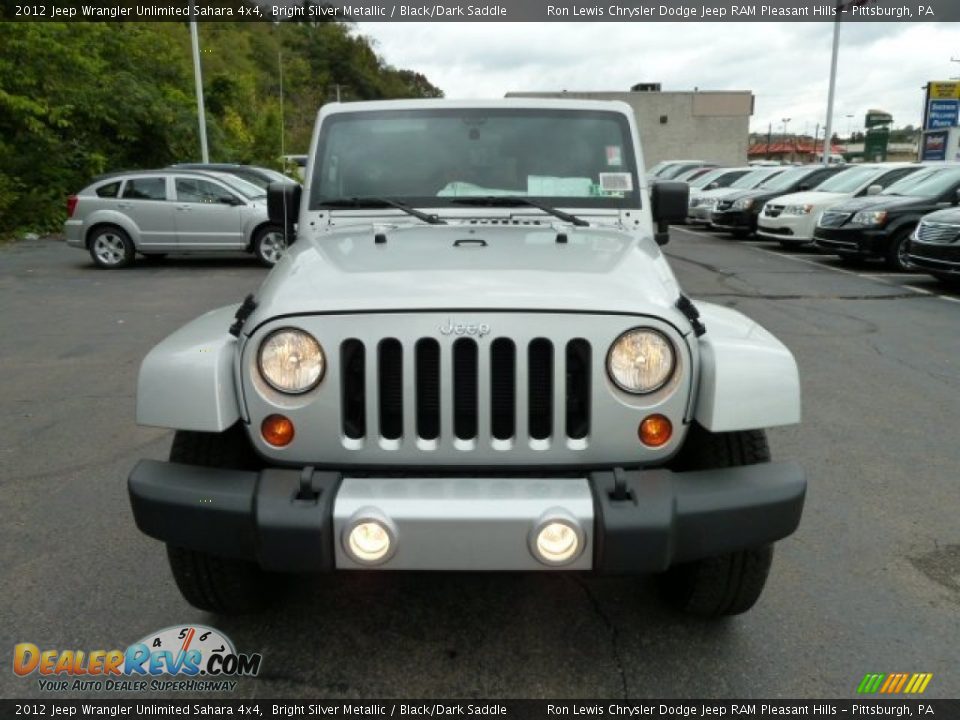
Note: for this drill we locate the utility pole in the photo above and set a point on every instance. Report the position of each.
(769, 138)
(283, 151)
(828, 132)
(198, 82)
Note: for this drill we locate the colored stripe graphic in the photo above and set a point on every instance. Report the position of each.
(870, 683)
(894, 683)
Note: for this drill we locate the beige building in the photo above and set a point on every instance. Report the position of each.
(709, 125)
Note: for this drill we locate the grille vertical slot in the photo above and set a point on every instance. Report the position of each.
(427, 353)
(578, 389)
(503, 388)
(352, 396)
(390, 377)
(465, 389)
(540, 384)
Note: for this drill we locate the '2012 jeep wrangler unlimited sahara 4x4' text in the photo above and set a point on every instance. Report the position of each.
(474, 357)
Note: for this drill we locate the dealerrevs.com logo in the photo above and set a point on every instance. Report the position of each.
(201, 658)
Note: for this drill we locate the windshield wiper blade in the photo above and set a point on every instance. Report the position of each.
(359, 202)
(513, 200)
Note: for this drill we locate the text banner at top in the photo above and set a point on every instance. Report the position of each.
(488, 10)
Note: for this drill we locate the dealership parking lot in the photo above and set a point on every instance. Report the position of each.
(869, 583)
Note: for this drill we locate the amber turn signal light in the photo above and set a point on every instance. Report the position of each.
(277, 430)
(655, 430)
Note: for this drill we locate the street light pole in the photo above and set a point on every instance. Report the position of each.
(198, 81)
(828, 133)
(785, 121)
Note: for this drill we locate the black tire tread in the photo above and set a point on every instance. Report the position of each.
(728, 584)
(217, 584)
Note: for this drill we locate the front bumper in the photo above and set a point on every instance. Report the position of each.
(939, 259)
(796, 229)
(852, 241)
(633, 521)
(733, 220)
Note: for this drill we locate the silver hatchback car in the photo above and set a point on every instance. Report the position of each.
(156, 212)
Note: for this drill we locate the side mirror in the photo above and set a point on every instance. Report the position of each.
(804, 187)
(712, 186)
(231, 200)
(874, 189)
(283, 203)
(669, 202)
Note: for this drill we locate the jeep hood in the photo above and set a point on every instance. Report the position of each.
(463, 266)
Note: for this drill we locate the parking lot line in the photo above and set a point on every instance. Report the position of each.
(875, 277)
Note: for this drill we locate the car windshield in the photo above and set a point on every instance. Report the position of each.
(675, 172)
(850, 180)
(753, 178)
(275, 176)
(706, 178)
(660, 167)
(431, 157)
(926, 184)
(785, 180)
(247, 189)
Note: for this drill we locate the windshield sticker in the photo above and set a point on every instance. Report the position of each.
(614, 156)
(547, 186)
(616, 182)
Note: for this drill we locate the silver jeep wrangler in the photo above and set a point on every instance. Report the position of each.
(474, 357)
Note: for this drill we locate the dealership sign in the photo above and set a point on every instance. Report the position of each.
(942, 108)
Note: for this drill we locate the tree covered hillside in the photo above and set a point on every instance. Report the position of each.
(81, 99)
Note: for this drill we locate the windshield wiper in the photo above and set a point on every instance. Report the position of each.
(514, 200)
(358, 202)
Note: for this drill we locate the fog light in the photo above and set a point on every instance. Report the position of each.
(557, 539)
(277, 430)
(369, 539)
(655, 430)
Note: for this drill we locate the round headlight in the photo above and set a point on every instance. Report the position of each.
(641, 361)
(291, 361)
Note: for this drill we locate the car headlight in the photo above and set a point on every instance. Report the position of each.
(641, 361)
(291, 361)
(798, 209)
(743, 204)
(870, 217)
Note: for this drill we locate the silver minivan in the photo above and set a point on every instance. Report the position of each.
(157, 212)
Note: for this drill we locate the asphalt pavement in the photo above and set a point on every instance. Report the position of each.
(869, 583)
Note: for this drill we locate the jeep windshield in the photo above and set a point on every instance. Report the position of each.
(435, 158)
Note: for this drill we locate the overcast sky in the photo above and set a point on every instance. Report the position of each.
(786, 65)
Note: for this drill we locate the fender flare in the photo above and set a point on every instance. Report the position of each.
(748, 378)
(187, 382)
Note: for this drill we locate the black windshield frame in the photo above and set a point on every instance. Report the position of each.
(628, 200)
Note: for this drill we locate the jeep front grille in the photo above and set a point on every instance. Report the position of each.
(481, 385)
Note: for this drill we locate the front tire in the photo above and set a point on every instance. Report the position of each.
(897, 253)
(269, 244)
(217, 584)
(727, 584)
(111, 248)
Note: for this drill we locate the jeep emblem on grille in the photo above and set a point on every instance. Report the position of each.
(477, 329)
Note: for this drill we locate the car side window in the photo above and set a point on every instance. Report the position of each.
(891, 177)
(815, 178)
(110, 190)
(146, 189)
(195, 190)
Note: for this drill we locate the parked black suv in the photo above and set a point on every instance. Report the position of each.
(739, 213)
(880, 226)
(935, 246)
